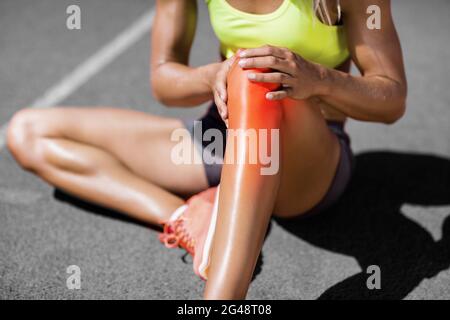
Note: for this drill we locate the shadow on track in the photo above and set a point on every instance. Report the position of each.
(61, 195)
(368, 225)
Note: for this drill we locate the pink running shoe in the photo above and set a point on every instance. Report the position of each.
(192, 226)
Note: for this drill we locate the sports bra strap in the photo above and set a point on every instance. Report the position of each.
(326, 17)
(339, 11)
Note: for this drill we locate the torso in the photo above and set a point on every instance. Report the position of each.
(252, 23)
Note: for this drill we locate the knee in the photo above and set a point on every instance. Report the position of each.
(22, 135)
(248, 104)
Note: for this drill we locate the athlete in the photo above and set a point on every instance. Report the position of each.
(285, 65)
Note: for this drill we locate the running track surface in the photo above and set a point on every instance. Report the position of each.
(405, 168)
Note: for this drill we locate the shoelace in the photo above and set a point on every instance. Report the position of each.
(175, 234)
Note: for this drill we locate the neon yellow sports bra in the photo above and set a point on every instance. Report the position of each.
(293, 25)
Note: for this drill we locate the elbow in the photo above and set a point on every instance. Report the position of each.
(159, 93)
(397, 108)
(158, 89)
(162, 98)
(395, 113)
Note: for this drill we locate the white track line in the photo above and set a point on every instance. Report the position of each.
(81, 74)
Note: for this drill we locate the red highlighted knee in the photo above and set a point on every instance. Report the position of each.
(247, 104)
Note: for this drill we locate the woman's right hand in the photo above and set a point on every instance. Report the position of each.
(220, 88)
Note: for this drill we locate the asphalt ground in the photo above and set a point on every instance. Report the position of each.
(395, 213)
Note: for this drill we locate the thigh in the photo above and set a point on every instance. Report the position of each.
(142, 142)
(309, 158)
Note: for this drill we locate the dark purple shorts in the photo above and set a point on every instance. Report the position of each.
(212, 119)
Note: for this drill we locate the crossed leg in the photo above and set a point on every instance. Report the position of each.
(114, 157)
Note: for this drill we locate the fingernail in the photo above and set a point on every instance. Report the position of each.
(242, 53)
(242, 62)
(269, 96)
(222, 96)
(251, 76)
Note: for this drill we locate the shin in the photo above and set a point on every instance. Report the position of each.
(247, 192)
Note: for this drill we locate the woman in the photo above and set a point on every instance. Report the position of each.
(122, 159)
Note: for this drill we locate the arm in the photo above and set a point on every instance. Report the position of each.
(173, 81)
(378, 95)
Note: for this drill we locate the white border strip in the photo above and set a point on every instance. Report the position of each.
(81, 74)
(204, 262)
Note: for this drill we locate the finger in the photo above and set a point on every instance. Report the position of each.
(231, 59)
(221, 88)
(272, 77)
(267, 62)
(221, 82)
(278, 95)
(263, 51)
(238, 52)
(221, 106)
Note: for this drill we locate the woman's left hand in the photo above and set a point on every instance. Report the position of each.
(300, 79)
